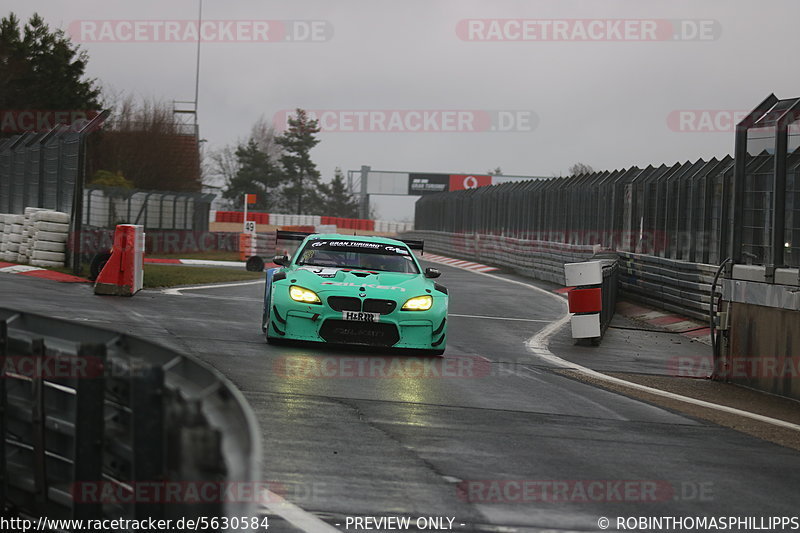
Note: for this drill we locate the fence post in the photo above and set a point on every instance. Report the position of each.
(38, 424)
(3, 414)
(89, 427)
(147, 417)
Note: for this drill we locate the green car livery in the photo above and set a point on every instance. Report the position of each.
(360, 290)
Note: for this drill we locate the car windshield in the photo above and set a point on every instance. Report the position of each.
(358, 255)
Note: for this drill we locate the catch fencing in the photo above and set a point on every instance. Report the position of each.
(41, 170)
(682, 212)
(98, 424)
(47, 170)
(105, 207)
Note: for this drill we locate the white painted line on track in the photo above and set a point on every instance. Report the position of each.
(293, 514)
(17, 269)
(177, 291)
(501, 318)
(206, 262)
(539, 346)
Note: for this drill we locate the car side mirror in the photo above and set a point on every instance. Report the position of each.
(281, 260)
(432, 273)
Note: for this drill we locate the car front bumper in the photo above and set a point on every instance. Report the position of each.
(424, 330)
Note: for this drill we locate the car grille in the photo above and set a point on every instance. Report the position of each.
(352, 332)
(344, 303)
(371, 305)
(383, 307)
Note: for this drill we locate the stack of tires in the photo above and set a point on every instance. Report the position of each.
(24, 251)
(12, 236)
(50, 233)
(39, 237)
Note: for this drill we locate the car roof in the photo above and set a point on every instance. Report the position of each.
(356, 238)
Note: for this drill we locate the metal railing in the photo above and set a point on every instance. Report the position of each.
(608, 291)
(679, 286)
(88, 412)
(537, 259)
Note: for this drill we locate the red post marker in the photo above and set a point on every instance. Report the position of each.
(586, 299)
(123, 274)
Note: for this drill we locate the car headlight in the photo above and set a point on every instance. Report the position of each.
(299, 294)
(420, 303)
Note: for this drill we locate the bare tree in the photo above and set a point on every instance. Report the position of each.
(263, 133)
(221, 166)
(496, 172)
(143, 140)
(579, 169)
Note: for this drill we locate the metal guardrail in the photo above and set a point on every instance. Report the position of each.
(538, 259)
(678, 286)
(609, 290)
(87, 411)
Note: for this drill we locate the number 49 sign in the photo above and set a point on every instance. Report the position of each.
(249, 227)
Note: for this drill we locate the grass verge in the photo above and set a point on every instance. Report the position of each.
(162, 276)
(159, 276)
(213, 255)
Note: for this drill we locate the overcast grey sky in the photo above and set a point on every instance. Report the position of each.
(609, 103)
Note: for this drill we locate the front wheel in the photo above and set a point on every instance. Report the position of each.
(254, 264)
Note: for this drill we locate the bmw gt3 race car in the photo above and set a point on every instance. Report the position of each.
(355, 290)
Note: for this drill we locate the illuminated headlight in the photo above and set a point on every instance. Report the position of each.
(420, 303)
(299, 294)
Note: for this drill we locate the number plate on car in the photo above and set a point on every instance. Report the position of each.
(359, 316)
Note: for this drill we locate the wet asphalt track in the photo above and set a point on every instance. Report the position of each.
(341, 442)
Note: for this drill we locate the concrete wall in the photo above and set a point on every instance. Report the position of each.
(764, 349)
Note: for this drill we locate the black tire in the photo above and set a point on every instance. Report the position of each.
(97, 264)
(254, 264)
(274, 341)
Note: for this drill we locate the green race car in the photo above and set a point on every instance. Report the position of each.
(347, 289)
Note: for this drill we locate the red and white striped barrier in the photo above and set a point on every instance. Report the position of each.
(585, 298)
(467, 265)
(123, 274)
(36, 272)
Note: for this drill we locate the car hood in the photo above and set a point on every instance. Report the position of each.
(376, 285)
